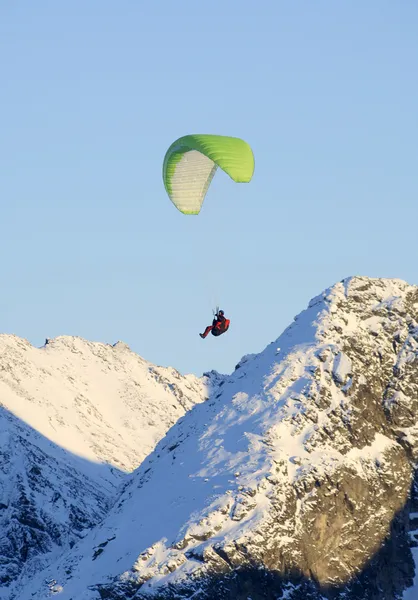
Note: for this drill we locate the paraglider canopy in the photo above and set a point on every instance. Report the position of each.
(191, 162)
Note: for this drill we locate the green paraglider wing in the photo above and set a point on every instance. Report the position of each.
(191, 162)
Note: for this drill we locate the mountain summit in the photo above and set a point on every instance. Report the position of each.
(294, 480)
(75, 419)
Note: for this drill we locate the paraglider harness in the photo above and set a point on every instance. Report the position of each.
(219, 324)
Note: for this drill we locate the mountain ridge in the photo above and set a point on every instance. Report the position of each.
(278, 472)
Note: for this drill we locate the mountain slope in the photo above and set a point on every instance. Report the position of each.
(291, 482)
(46, 502)
(102, 402)
(75, 416)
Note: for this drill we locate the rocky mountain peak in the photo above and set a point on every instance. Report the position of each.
(294, 480)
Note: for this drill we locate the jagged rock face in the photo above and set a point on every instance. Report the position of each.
(75, 417)
(46, 504)
(293, 481)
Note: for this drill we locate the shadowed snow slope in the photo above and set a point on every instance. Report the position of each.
(292, 481)
(75, 416)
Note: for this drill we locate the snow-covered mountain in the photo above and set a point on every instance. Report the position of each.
(295, 480)
(75, 418)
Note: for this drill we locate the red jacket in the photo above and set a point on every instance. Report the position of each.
(221, 323)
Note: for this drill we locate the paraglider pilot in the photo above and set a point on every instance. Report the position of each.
(219, 325)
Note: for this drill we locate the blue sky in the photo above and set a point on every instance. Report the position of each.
(92, 95)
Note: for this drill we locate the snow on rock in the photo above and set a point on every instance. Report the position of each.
(75, 418)
(342, 368)
(293, 480)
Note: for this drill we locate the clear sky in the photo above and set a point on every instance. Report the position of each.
(93, 93)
